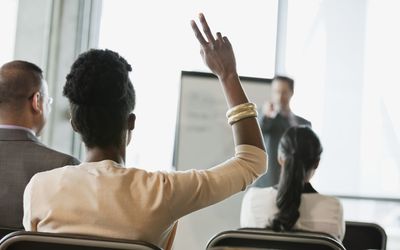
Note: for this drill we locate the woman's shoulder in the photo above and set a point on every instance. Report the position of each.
(254, 191)
(322, 197)
(322, 201)
(321, 213)
(263, 195)
(53, 172)
(258, 206)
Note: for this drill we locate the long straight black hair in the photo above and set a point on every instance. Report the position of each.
(300, 149)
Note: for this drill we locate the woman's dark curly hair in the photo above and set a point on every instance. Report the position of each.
(101, 97)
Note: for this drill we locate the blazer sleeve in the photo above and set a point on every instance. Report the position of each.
(246, 215)
(27, 218)
(195, 189)
(341, 224)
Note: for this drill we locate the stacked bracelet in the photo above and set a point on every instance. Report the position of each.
(239, 108)
(241, 112)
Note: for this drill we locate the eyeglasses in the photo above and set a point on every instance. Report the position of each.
(49, 98)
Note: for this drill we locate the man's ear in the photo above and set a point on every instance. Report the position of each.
(73, 125)
(131, 121)
(36, 104)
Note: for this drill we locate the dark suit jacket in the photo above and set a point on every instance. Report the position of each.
(22, 156)
(273, 129)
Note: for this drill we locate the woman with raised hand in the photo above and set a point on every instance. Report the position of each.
(294, 204)
(104, 198)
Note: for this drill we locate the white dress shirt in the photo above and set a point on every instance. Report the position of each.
(318, 213)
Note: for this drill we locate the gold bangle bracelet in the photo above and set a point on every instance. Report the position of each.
(240, 116)
(239, 108)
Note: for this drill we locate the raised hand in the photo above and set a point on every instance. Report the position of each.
(269, 110)
(217, 53)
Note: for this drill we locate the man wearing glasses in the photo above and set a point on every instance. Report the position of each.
(24, 107)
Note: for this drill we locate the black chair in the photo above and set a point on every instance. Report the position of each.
(265, 239)
(22, 240)
(6, 230)
(363, 235)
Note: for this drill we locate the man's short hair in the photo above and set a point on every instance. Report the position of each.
(18, 80)
(289, 81)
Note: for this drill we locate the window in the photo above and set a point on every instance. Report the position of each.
(8, 22)
(345, 70)
(344, 56)
(156, 38)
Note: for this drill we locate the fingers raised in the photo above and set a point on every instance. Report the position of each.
(226, 40)
(206, 29)
(219, 36)
(198, 34)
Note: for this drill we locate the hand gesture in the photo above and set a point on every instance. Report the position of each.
(217, 53)
(269, 110)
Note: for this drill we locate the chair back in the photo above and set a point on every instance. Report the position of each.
(6, 230)
(22, 240)
(267, 239)
(363, 235)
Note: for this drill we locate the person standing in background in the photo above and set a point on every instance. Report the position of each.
(275, 119)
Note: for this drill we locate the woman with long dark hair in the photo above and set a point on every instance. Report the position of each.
(294, 203)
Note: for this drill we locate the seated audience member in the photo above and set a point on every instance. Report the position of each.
(294, 203)
(104, 198)
(24, 106)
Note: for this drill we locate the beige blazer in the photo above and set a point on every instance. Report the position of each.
(106, 199)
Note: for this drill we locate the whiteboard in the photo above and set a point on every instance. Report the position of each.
(204, 139)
